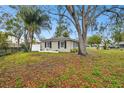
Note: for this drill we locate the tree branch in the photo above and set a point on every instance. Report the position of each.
(63, 15)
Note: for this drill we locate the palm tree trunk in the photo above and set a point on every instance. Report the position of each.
(31, 41)
(26, 35)
(18, 41)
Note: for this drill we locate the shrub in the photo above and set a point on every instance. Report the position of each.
(74, 50)
(24, 47)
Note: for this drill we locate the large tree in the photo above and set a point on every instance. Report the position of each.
(85, 17)
(15, 28)
(88, 15)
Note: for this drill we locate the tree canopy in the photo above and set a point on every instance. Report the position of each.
(34, 20)
(61, 31)
(3, 40)
(95, 39)
(82, 18)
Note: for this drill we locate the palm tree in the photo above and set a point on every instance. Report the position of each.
(34, 20)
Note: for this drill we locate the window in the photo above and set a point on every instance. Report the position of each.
(121, 45)
(62, 44)
(75, 45)
(48, 44)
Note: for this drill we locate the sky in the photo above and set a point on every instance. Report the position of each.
(48, 34)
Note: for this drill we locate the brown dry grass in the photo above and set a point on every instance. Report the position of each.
(103, 68)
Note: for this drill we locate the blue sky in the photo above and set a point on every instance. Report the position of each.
(50, 33)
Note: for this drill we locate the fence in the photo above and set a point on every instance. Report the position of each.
(8, 51)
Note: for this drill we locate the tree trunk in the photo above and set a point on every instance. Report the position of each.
(31, 41)
(81, 47)
(81, 32)
(82, 41)
(84, 31)
(26, 36)
(84, 46)
(18, 41)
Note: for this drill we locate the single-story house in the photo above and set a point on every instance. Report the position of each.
(61, 44)
(121, 44)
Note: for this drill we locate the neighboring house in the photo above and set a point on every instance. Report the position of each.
(61, 44)
(12, 41)
(121, 44)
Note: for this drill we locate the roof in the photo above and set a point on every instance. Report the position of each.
(121, 42)
(60, 39)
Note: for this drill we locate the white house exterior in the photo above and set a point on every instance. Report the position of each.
(36, 47)
(121, 44)
(14, 39)
(13, 42)
(60, 44)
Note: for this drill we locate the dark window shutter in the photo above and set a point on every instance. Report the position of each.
(45, 44)
(65, 44)
(58, 44)
(50, 44)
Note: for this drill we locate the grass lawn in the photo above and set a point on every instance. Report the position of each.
(102, 68)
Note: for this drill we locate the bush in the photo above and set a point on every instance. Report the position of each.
(74, 50)
(24, 48)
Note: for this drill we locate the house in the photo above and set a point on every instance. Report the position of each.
(13, 42)
(61, 44)
(121, 44)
